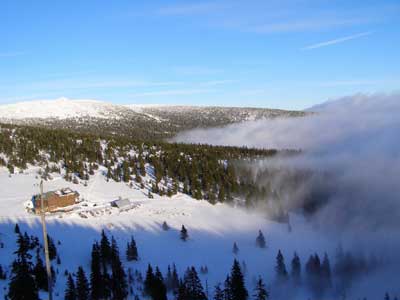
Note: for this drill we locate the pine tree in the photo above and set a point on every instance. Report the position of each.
(105, 249)
(193, 287)
(70, 291)
(52, 248)
(235, 248)
(181, 292)
(149, 281)
(218, 292)
(228, 289)
(159, 289)
(313, 270)
(280, 268)
(165, 226)
(260, 240)
(296, 269)
(131, 250)
(326, 273)
(175, 278)
(118, 278)
(16, 229)
(168, 279)
(40, 273)
(260, 292)
(97, 283)
(23, 247)
(184, 234)
(27, 241)
(237, 286)
(82, 285)
(22, 285)
(2, 273)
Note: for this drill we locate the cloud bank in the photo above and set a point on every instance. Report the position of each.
(355, 138)
(356, 141)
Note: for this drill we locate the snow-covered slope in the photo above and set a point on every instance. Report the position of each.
(212, 231)
(138, 121)
(61, 108)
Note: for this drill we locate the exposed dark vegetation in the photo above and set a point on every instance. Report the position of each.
(159, 122)
(201, 171)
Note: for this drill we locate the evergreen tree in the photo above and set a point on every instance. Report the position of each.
(326, 272)
(27, 241)
(97, 283)
(165, 226)
(159, 291)
(52, 248)
(40, 273)
(175, 278)
(280, 268)
(237, 286)
(149, 281)
(218, 292)
(260, 240)
(23, 247)
(313, 271)
(70, 291)
(235, 248)
(16, 229)
(181, 293)
(168, 279)
(260, 292)
(82, 285)
(105, 249)
(184, 234)
(296, 269)
(3, 275)
(228, 289)
(154, 285)
(131, 250)
(22, 285)
(193, 287)
(119, 285)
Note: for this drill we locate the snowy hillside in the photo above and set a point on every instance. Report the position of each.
(61, 108)
(140, 121)
(212, 231)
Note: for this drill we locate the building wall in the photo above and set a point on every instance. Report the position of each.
(54, 201)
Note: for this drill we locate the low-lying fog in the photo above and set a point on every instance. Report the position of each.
(357, 140)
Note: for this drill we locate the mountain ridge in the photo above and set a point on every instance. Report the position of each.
(134, 120)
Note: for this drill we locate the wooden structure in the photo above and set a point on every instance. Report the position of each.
(55, 199)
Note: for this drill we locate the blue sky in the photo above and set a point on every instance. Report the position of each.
(278, 53)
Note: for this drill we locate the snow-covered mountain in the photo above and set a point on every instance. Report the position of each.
(61, 108)
(141, 121)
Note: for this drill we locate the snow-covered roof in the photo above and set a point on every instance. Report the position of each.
(120, 203)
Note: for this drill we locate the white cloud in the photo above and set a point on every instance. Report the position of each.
(337, 41)
(355, 139)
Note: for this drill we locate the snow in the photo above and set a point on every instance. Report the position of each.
(64, 108)
(61, 108)
(212, 229)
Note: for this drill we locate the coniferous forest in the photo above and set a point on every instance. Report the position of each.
(107, 276)
(201, 171)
